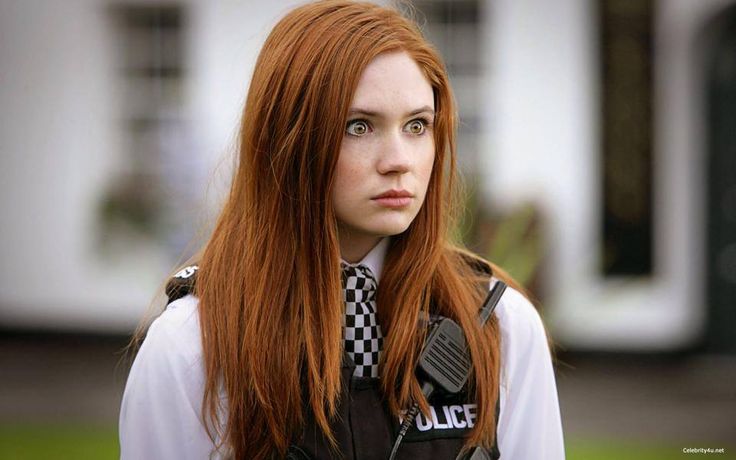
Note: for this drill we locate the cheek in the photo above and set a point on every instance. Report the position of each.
(349, 175)
(345, 174)
(424, 171)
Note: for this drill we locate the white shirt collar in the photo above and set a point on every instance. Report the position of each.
(374, 258)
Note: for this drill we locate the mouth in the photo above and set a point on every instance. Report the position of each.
(393, 198)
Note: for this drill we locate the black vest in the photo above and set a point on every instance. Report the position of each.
(364, 427)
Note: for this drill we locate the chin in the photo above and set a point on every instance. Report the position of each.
(384, 224)
(391, 227)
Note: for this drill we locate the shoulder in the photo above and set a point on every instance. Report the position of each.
(529, 422)
(518, 317)
(524, 342)
(476, 263)
(520, 324)
(174, 337)
(519, 320)
(179, 315)
(160, 414)
(172, 347)
(182, 283)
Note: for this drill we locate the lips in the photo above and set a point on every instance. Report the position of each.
(393, 198)
(393, 193)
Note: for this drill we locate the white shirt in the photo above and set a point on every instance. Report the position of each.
(161, 419)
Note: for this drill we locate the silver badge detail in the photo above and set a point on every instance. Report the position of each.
(186, 272)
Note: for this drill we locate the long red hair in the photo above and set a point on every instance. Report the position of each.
(269, 281)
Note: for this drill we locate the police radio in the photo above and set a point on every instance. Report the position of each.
(444, 363)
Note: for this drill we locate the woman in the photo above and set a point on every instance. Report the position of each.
(286, 345)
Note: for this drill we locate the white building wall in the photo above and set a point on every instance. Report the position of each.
(60, 143)
(226, 37)
(58, 146)
(543, 139)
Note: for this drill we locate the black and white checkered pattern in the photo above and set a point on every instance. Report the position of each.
(362, 333)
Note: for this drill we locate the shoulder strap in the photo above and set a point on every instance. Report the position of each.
(482, 267)
(476, 263)
(182, 283)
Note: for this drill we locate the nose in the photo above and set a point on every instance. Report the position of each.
(395, 156)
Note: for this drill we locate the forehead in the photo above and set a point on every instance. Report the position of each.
(393, 82)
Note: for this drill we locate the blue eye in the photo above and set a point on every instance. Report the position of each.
(357, 128)
(416, 127)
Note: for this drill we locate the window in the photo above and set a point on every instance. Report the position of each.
(626, 68)
(454, 27)
(151, 72)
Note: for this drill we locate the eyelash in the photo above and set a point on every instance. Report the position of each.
(426, 123)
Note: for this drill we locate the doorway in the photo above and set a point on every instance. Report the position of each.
(721, 185)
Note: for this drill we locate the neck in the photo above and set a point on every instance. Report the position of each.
(353, 248)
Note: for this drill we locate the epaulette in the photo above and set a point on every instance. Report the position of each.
(182, 283)
(479, 265)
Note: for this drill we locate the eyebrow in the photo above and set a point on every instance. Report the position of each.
(372, 113)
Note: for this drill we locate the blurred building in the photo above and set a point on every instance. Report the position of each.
(613, 120)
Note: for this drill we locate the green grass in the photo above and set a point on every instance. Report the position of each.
(82, 442)
(588, 449)
(58, 442)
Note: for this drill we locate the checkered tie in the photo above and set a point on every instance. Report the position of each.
(363, 337)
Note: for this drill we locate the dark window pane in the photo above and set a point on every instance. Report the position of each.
(626, 59)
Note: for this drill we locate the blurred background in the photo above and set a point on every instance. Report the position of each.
(597, 142)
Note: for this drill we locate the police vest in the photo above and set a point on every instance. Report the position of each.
(364, 428)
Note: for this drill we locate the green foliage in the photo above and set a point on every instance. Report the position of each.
(517, 244)
(514, 240)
